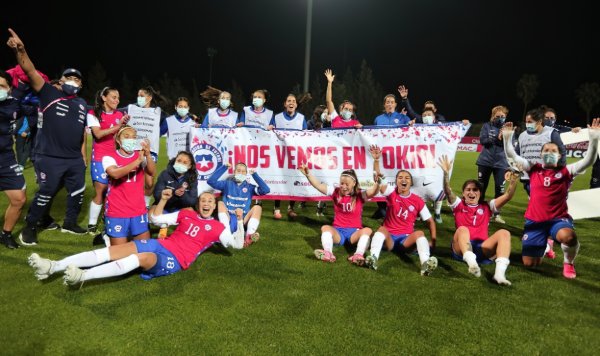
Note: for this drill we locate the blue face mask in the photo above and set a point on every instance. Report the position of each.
(180, 167)
(128, 144)
(500, 121)
(531, 127)
(347, 114)
(183, 112)
(3, 94)
(239, 178)
(141, 101)
(550, 158)
(224, 103)
(549, 122)
(70, 88)
(258, 102)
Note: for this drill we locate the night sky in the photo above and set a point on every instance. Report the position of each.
(467, 56)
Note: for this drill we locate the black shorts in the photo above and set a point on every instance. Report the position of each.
(11, 175)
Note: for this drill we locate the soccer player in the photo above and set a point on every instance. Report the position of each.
(60, 148)
(104, 121)
(195, 232)
(237, 194)
(347, 116)
(257, 114)
(220, 112)
(177, 127)
(348, 201)
(398, 229)
(126, 214)
(472, 217)
(12, 181)
(547, 213)
(181, 176)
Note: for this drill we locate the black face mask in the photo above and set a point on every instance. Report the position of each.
(549, 122)
(70, 89)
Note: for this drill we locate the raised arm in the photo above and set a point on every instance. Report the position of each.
(262, 188)
(592, 153)
(512, 177)
(321, 187)
(35, 79)
(329, 93)
(214, 181)
(446, 165)
(150, 165)
(377, 176)
(157, 217)
(509, 150)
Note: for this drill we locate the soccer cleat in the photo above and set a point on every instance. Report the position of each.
(8, 241)
(28, 236)
(550, 254)
(43, 267)
(73, 229)
(475, 270)
(92, 229)
(291, 213)
(324, 256)
(371, 261)
(357, 259)
(429, 266)
(277, 214)
(320, 211)
(47, 224)
(502, 281)
(73, 275)
(438, 218)
(101, 239)
(499, 220)
(251, 238)
(569, 271)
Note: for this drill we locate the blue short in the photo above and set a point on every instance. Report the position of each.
(97, 172)
(477, 250)
(535, 235)
(125, 227)
(166, 263)
(398, 241)
(345, 233)
(233, 223)
(11, 175)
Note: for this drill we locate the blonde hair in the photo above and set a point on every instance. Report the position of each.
(497, 109)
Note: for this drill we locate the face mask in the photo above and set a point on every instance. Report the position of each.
(550, 158)
(182, 111)
(323, 116)
(141, 101)
(549, 122)
(224, 103)
(180, 167)
(531, 127)
(128, 144)
(500, 121)
(70, 87)
(258, 102)
(3, 94)
(239, 178)
(347, 114)
(428, 120)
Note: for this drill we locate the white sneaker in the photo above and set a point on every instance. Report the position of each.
(429, 266)
(475, 270)
(73, 275)
(43, 267)
(502, 281)
(499, 219)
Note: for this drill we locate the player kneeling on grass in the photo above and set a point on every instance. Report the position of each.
(547, 212)
(195, 232)
(472, 217)
(237, 194)
(397, 231)
(348, 200)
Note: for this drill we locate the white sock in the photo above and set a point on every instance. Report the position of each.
(377, 243)
(147, 199)
(423, 249)
(327, 241)
(224, 219)
(115, 268)
(363, 242)
(470, 258)
(438, 207)
(570, 252)
(501, 266)
(94, 213)
(252, 226)
(548, 248)
(84, 259)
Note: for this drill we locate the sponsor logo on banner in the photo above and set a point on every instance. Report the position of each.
(577, 150)
(469, 144)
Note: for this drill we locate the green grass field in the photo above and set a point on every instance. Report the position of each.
(276, 298)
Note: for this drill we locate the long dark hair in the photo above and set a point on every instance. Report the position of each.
(352, 174)
(317, 116)
(99, 103)
(192, 173)
(478, 185)
(158, 100)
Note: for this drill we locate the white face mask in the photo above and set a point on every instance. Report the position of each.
(3, 94)
(183, 111)
(531, 127)
(224, 103)
(346, 115)
(239, 178)
(258, 102)
(428, 120)
(550, 158)
(141, 101)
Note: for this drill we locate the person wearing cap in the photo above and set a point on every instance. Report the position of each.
(60, 148)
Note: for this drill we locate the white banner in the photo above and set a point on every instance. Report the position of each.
(146, 121)
(276, 155)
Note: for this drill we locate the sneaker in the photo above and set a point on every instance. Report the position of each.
(550, 254)
(48, 224)
(101, 239)
(429, 266)
(73, 229)
(291, 213)
(502, 281)
(320, 211)
(251, 238)
(324, 256)
(8, 241)
(475, 270)
(43, 267)
(438, 218)
(277, 214)
(28, 236)
(499, 220)
(92, 229)
(371, 261)
(357, 259)
(569, 271)
(73, 275)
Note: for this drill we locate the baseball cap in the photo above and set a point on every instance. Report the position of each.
(72, 72)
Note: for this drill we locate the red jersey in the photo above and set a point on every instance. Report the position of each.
(346, 214)
(104, 146)
(402, 212)
(476, 218)
(125, 196)
(549, 190)
(192, 236)
(339, 122)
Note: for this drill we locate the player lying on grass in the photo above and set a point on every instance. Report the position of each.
(195, 232)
